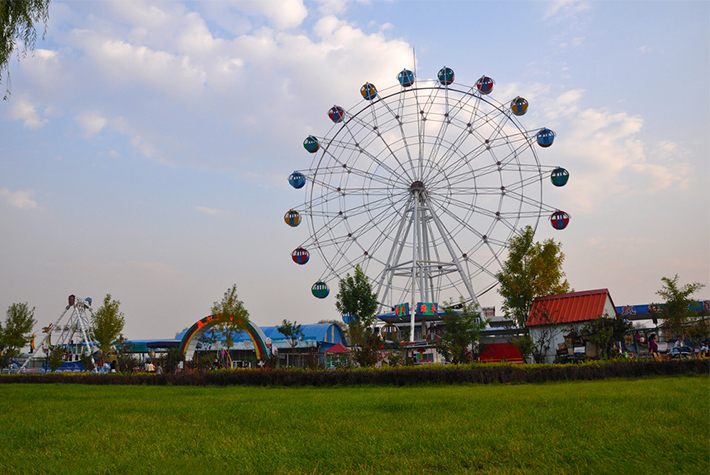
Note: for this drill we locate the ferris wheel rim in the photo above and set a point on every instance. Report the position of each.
(384, 193)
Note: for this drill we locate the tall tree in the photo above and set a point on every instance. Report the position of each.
(231, 314)
(292, 332)
(17, 24)
(107, 324)
(533, 269)
(357, 300)
(675, 310)
(458, 340)
(16, 334)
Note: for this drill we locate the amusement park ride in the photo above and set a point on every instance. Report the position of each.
(422, 184)
(71, 333)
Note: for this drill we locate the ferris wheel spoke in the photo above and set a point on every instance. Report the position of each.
(400, 126)
(466, 131)
(505, 160)
(462, 223)
(362, 147)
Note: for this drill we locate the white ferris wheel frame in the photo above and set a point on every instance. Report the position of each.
(381, 169)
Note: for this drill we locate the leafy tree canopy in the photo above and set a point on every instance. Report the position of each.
(292, 331)
(356, 298)
(15, 335)
(17, 20)
(107, 324)
(533, 269)
(233, 316)
(460, 334)
(675, 310)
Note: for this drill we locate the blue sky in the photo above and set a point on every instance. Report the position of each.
(145, 148)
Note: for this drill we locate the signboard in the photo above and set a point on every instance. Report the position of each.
(427, 308)
(401, 310)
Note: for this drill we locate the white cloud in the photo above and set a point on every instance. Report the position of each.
(212, 211)
(143, 147)
(123, 64)
(604, 154)
(282, 14)
(19, 199)
(564, 9)
(92, 122)
(24, 110)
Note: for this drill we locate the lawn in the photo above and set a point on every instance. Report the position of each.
(651, 425)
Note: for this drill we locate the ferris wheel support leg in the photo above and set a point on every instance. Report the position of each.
(86, 339)
(396, 253)
(457, 263)
(415, 249)
(39, 347)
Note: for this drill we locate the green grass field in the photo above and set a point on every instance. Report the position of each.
(655, 425)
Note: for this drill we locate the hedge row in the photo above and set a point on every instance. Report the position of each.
(402, 376)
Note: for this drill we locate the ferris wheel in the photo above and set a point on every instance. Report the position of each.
(422, 184)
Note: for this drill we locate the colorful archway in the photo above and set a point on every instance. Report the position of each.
(193, 334)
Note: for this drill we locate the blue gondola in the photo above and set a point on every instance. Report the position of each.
(297, 180)
(406, 78)
(545, 138)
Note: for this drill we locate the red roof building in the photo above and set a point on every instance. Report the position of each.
(573, 307)
(553, 315)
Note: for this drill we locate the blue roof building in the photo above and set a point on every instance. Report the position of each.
(321, 336)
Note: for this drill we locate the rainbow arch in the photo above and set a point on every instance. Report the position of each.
(193, 334)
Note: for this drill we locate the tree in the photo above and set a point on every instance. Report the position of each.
(532, 270)
(356, 300)
(675, 312)
(604, 331)
(107, 324)
(17, 332)
(292, 332)
(171, 360)
(458, 340)
(231, 313)
(17, 23)
(55, 358)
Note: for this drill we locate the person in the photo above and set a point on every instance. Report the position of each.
(653, 346)
(159, 370)
(150, 367)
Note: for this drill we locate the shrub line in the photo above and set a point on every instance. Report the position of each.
(402, 376)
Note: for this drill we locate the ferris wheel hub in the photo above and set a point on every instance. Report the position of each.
(417, 186)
